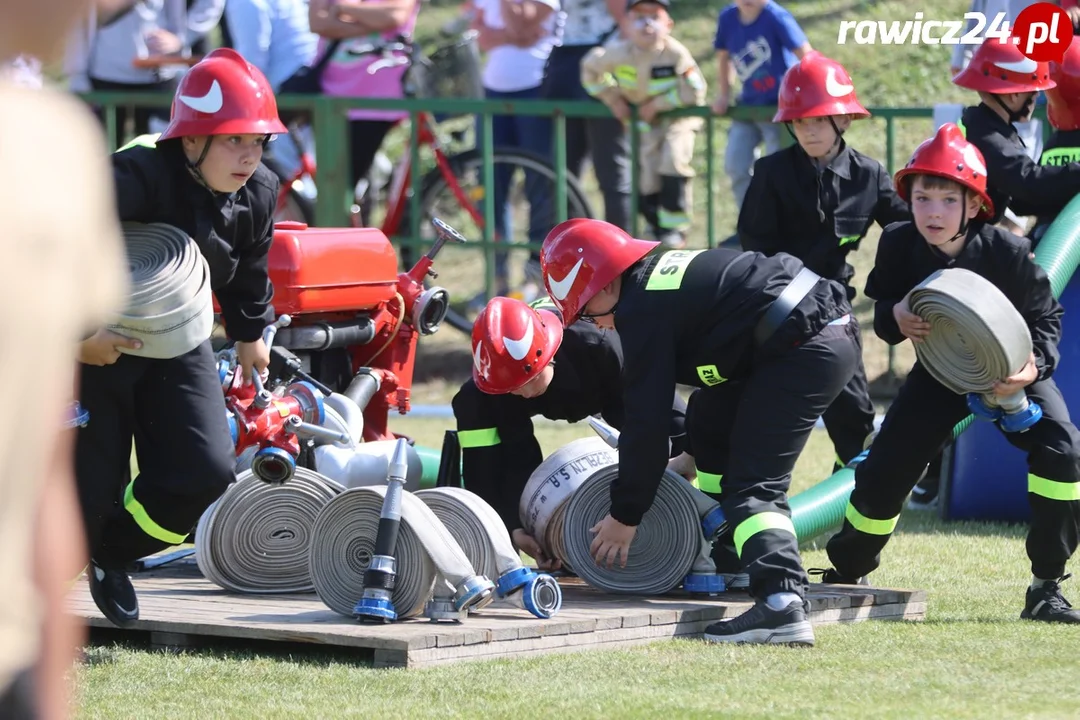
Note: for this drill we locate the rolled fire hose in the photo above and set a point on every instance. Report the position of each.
(977, 337)
(480, 532)
(665, 548)
(255, 537)
(343, 543)
(170, 309)
(543, 501)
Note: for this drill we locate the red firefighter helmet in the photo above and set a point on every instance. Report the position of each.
(998, 66)
(1063, 101)
(580, 257)
(512, 344)
(817, 86)
(948, 155)
(223, 94)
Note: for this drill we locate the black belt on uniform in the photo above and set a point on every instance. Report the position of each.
(781, 307)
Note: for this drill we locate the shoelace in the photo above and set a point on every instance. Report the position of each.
(1054, 598)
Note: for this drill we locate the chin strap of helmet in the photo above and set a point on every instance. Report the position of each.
(1016, 115)
(193, 167)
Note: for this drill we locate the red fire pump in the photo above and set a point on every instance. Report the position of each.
(337, 294)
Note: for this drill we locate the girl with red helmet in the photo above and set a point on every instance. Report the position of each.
(204, 177)
(816, 200)
(769, 344)
(1007, 83)
(945, 182)
(526, 364)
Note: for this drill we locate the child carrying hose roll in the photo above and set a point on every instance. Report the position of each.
(946, 183)
(203, 176)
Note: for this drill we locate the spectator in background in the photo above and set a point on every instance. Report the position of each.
(762, 40)
(346, 26)
(72, 264)
(587, 24)
(103, 51)
(518, 36)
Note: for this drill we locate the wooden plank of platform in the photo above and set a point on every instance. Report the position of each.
(178, 607)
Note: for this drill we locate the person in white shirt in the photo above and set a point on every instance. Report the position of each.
(518, 36)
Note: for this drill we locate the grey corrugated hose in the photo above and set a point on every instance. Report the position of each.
(171, 306)
(977, 336)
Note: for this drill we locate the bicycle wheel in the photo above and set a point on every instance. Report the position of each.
(525, 188)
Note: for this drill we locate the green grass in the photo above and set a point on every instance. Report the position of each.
(971, 658)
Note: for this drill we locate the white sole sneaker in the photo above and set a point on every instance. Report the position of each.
(800, 633)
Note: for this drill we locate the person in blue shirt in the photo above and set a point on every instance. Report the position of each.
(760, 40)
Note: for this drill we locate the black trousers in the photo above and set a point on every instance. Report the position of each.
(175, 410)
(850, 419)
(605, 140)
(751, 432)
(918, 423)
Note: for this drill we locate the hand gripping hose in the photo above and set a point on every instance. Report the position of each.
(255, 537)
(171, 306)
(977, 337)
(428, 557)
(480, 532)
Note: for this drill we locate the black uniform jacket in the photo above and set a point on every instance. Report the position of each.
(1061, 148)
(1014, 180)
(904, 260)
(819, 217)
(234, 232)
(689, 317)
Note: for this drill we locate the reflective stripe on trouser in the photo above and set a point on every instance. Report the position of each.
(175, 411)
(760, 523)
(709, 482)
(147, 523)
(918, 422)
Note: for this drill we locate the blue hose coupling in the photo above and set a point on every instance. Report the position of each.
(234, 428)
(513, 580)
(1023, 420)
(474, 593)
(712, 523)
(273, 465)
(375, 606)
(704, 584)
(981, 410)
(77, 416)
(542, 596)
(858, 458)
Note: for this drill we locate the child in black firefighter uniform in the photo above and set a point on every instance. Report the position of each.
(524, 365)
(770, 345)
(205, 178)
(1063, 111)
(1007, 83)
(816, 200)
(946, 184)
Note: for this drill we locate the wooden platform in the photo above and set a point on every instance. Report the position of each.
(181, 608)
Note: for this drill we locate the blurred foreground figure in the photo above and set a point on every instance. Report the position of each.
(65, 274)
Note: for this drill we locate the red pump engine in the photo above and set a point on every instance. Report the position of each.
(346, 299)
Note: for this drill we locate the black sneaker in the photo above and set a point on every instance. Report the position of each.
(1047, 604)
(829, 575)
(763, 625)
(113, 594)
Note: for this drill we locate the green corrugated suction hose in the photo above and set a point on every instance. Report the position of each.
(821, 508)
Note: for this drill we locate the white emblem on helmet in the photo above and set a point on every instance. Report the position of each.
(518, 349)
(483, 366)
(209, 103)
(561, 288)
(1025, 65)
(971, 158)
(834, 87)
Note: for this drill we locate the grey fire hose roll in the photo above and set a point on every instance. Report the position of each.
(171, 306)
(550, 487)
(664, 548)
(977, 336)
(255, 537)
(343, 543)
